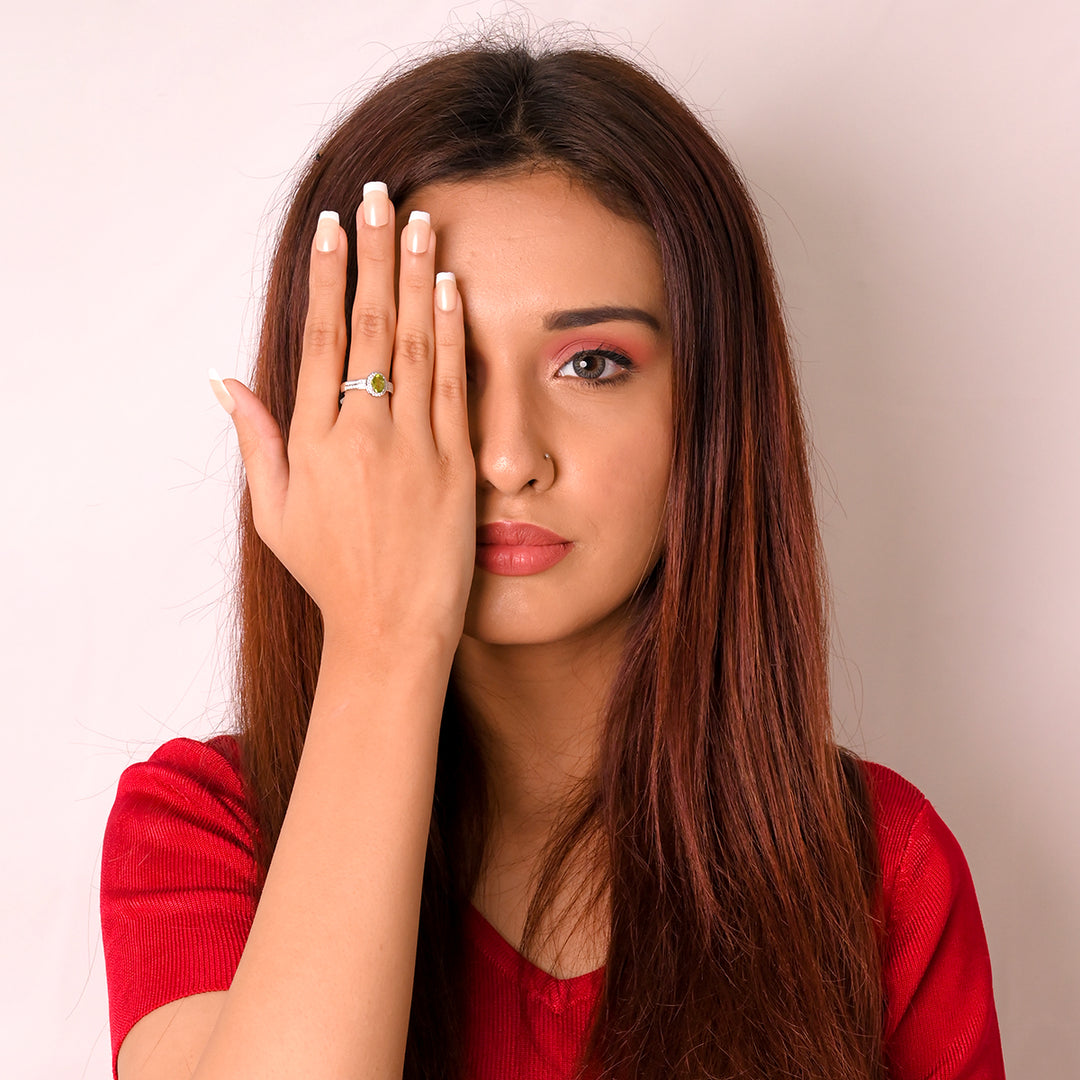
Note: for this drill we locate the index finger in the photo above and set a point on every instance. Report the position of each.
(323, 358)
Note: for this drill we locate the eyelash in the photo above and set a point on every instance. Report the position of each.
(608, 354)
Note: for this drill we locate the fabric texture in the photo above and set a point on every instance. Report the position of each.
(178, 895)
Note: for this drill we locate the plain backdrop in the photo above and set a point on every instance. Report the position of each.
(917, 165)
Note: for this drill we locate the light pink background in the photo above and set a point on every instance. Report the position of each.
(918, 166)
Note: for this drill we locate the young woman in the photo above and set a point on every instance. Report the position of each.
(534, 774)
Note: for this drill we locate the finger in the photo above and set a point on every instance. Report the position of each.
(414, 340)
(373, 310)
(449, 402)
(263, 451)
(323, 357)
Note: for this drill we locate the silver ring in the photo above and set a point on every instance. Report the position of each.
(376, 384)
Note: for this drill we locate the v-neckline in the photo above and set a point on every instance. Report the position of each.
(556, 994)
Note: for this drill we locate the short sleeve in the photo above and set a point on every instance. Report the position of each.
(941, 1023)
(179, 880)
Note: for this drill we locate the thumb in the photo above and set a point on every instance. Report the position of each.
(262, 449)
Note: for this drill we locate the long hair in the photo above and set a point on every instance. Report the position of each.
(730, 837)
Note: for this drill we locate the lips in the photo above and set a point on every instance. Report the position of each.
(517, 534)
(518, 548)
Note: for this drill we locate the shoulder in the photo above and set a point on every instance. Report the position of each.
(185, 802)
(181, 767)
(940, 1019)
(912, 837)
(179, 878)
(183, 808)
(923, 869)
(182, 774)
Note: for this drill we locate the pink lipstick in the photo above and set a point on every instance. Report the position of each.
(518, 548)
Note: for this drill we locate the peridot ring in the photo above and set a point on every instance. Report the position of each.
(376, 384)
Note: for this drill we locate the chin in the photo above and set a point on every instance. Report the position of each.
(503, 628)
(511, 614)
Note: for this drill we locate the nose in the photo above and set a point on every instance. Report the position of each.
(506, 426)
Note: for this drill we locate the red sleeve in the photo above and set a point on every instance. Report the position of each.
(940, 1019)
(178, 880)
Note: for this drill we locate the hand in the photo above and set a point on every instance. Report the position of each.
(372, 508)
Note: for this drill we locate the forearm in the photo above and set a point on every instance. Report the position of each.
(325, 982)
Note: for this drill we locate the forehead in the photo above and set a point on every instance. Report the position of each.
(537, 242)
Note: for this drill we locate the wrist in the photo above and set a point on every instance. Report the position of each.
(371, 686)
(374, 655)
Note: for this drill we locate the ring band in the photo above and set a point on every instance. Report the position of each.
(376, 384)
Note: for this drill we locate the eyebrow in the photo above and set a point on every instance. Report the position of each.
(569, 320)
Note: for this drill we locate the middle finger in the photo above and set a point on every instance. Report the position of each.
(414, 342)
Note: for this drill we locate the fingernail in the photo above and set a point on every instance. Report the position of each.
(227, 401)
(327, 231)
(446, 291)
(418, 232)
(376, 203)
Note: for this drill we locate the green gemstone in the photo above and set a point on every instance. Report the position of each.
(377, 382)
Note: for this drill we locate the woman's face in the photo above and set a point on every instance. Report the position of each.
(569, 354)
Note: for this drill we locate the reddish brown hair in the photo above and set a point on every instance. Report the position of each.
(731, 837)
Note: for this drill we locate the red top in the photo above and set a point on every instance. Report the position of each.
(178, 891)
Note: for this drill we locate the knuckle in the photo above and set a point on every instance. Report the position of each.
(325, 276)
(374, 250)
(449, 389)
(326, 290)
(371, 322)
(413, 346)
(408, 457)
(416, 281)
(322, 334)
(360, 448)
(355, 444)
(448, 341)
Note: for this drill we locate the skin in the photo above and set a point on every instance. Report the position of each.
(481, 394)
(539, 651)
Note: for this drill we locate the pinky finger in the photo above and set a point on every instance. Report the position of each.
(449, 408)
(263, 451)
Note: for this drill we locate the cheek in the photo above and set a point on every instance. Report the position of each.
(630, 485)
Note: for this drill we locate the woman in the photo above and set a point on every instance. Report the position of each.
(535, 769)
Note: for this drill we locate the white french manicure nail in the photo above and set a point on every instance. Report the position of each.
(226, 400)
(446, 291)
(376, 203)
(328, 231)
(418, 232)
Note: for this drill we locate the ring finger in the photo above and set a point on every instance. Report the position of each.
(373, 314)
